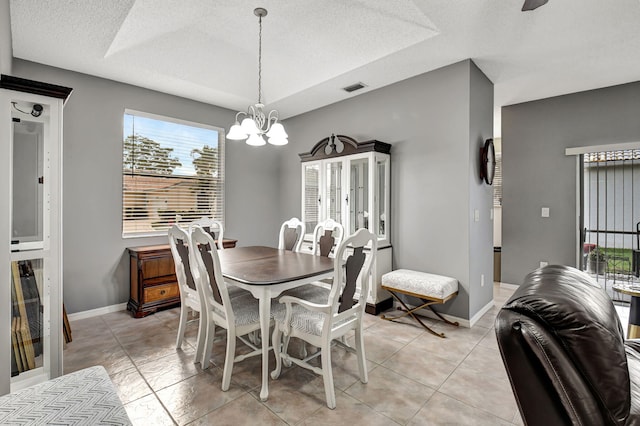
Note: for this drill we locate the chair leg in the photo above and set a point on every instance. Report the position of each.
(202, 335)
(228, 360)
(208, 343)
(327, 375)
(278, 348)
(182, 325)
(285, 350)
(362, 360)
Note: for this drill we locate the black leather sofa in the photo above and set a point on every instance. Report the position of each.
(565, 353)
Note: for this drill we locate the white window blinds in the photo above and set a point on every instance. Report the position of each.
(172, 172)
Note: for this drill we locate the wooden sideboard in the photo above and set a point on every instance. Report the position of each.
(152, 281)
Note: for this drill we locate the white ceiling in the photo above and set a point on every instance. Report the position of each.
(207, 49)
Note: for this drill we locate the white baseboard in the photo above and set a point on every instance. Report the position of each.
(509, 286)
(97, 312)
(481, 312)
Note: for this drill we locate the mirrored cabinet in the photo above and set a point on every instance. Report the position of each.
(348, 181)
(30, 231)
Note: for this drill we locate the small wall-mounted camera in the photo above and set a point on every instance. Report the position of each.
(36, 111)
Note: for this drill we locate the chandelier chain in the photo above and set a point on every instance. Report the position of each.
(260, 60)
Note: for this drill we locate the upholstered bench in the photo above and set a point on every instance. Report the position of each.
(86, 397)
(431, 289)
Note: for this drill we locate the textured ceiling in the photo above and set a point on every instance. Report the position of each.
(207, 50)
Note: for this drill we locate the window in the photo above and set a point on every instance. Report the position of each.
(172, 172)
(497, 182)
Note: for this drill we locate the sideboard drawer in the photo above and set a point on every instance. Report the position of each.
(161, 292)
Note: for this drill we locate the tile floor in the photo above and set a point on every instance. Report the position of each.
(415, 378)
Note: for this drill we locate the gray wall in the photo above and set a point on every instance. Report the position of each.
(480, 194)
(537, 173)
(96, 269)
(6, 51)
(433, 169)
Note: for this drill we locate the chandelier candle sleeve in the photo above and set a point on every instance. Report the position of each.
(255, 123)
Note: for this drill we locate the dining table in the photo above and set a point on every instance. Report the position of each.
(266, 272)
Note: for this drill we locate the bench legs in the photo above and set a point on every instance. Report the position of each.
(412, 313)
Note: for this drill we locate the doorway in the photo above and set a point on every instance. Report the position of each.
(609, 217)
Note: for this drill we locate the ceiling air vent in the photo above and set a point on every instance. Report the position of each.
(354, 87)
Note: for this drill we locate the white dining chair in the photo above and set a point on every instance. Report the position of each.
(327, 236)
(179, 241)
(211, 226)
(320, 324)
(291, 235)
(238, 315)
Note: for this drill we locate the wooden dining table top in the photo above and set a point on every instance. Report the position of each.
(259, 265)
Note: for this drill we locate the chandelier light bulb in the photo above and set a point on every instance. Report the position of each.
(256, 140)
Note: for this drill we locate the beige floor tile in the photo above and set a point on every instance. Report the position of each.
(399, 331)
(148, 411)
(517, 419)
(134, 331)
(244, 411)
(487, 320)
(422, 366)
(485, 361)
(170, 369)
(391, 394)
(378, 349)
(489, 340)
(130, 385)
(348, 411)
(150, 347)
(295, 395)
(124, 320)
(111, 356)
(94, 326)
(345, 367)
(451, 349)
(482, 391)
(171, 317)
(469, 335)
(196, 396)
(444, 410)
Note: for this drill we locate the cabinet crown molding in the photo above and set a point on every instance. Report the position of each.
(341, 145)
(36, 87)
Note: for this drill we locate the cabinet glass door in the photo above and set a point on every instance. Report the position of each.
(27, 316)
(311, 198)
(28, 180)
(334, 190)
(381, 203)
(359, 195)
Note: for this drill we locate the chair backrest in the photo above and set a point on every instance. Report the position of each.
(351, 273)
(327, 235)
(563, 347)
(291, 235)
(179, 242)
(209, 279)
(211, 226)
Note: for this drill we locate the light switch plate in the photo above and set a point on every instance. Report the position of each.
(476, 215)
(545, 212)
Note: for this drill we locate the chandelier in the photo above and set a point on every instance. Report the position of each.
(256, 124)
